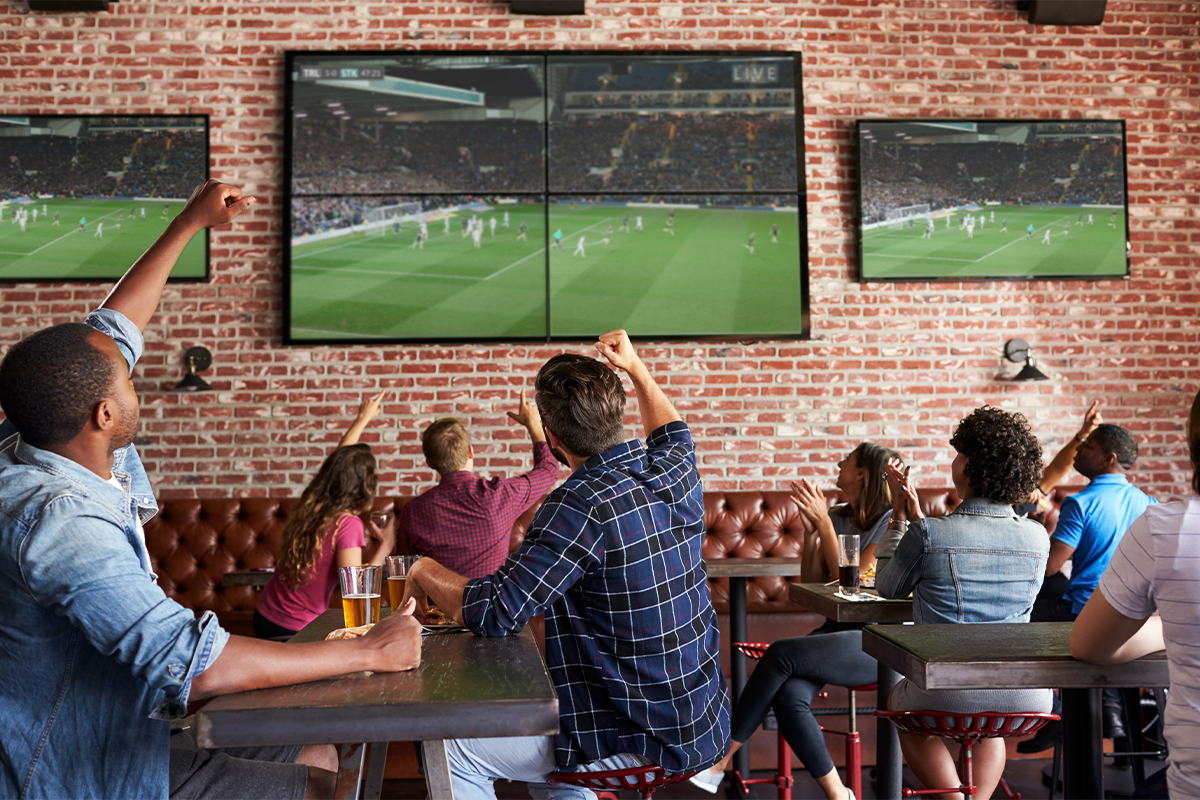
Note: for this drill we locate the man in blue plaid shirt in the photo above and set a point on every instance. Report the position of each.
(613, 560)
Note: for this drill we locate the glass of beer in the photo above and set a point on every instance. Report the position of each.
(360, 594)
(848, 563)
(397, 576)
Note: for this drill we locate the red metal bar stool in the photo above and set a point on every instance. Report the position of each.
(644, 780)
(783, 771)
(967, 730)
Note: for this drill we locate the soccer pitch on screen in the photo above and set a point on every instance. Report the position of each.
(1067, 241)
(704, 280)
(69, 251)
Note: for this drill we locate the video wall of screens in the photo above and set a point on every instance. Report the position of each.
(82, 197)
(992, 199)
(459, 197)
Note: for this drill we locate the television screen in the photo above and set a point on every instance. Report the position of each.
(82, 197)
(998, 199)
(474, 197)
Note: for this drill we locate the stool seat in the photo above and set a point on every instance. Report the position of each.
(644, 780)
(968, 730)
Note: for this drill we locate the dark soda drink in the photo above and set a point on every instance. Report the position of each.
(848, 578)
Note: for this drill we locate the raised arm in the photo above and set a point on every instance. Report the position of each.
(656, 409)
(368, 410)
(1060, 465)
(528, 416)
(137, 294)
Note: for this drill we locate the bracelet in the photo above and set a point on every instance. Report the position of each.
(1076, 438)
(898, 525)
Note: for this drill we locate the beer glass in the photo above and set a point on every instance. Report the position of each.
(848, 563)
(397, 576)
(360, 594)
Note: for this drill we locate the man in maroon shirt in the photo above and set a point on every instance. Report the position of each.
(465, 522)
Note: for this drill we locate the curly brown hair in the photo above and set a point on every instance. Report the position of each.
(1004, 458)
(345, 483)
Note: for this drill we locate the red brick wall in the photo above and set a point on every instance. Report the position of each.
(898, 364)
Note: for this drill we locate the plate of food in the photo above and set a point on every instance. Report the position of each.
(437, 622)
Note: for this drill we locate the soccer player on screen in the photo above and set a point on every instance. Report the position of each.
(82, 224)
(1089, 219)
(419, 242)
(466, 223)
(625, 224)
(558, 237)
(166, 211)
(35, 215)
(120, 219)
(492, 225)
(579, 247)
(395, 227)
(446, 224)
(44, 212)
(607, 235)
(506, 219)
(775, 234)
(99, 230)
(1112, 220)
(928, 234)
(1029, 232)
(1046, 238)
(477, 237)
(56, 219)
(22, 221)
(638, 223)
(142, 215)
(750, 246)
(521, 235)
(1004, 225)
(671, 225)
(993, 217)
(1068, 230)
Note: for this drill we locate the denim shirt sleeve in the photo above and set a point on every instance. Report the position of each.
(76, 562)
(122, 330)
(898, 560)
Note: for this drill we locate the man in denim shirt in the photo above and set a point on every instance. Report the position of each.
(613, 559)
(94, 658)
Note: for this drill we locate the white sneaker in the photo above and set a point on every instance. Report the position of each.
(707, 780)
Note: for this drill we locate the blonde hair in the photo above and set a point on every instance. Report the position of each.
(446, 445)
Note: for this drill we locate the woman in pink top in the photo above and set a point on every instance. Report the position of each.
(324, 532)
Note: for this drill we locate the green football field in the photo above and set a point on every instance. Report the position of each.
(45, 251)
(702, 280)
(1092, 250)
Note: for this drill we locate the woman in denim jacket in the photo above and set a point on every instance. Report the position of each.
(981, 563)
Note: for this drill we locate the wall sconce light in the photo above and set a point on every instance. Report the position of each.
(197, 359)
(1016, 351)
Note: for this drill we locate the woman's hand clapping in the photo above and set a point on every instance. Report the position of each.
(904, 494)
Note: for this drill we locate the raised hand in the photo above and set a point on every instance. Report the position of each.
(371, 407)
(215, 203)
(904, 494)
(526, 413)
(811, 501)
(616, 348)
(1091, 420)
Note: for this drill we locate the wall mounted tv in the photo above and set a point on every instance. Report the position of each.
(81, 197)
(459, 197)
(955, 200)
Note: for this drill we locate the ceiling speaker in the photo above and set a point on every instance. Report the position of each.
(68, 5)
(1064, 12)
(558, 8)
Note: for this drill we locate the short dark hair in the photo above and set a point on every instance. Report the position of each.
(1118, 441)
(1004, 458)
(582, 402)
(446, 445)
(51, 380)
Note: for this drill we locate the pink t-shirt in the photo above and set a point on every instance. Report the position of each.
(294, 608)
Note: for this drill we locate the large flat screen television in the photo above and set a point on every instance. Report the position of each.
(81, 197)
(955, 200)
(458, 197)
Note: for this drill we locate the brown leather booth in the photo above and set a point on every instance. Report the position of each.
(192, 543)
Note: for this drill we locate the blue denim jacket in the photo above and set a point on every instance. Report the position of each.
(981, 563)
(94, 659)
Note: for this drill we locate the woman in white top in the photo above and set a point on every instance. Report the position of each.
(1157, 568)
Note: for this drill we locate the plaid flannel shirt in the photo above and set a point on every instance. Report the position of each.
(465, 522)
(613, 558)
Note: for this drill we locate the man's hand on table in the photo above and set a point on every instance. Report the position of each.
(395, 641)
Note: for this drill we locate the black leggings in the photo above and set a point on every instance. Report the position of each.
(789, 676)
(265, 629)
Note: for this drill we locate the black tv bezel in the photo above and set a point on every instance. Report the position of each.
(207, 277)
(805, 319)
(858, 123)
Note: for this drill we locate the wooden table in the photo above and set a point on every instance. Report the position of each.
(737, 570)
(247, 577)
(1032, 655)
(467, 686)
(822, 598)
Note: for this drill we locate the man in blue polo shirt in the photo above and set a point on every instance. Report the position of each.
(1089, 528)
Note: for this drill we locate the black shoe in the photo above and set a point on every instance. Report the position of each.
(1047, 737)
(1114, 726)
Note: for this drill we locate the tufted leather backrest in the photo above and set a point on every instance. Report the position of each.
(192, 543)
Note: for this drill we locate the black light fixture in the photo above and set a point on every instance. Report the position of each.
(69, 6)
(197, 359)
(551, 8)
(1016, 351)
